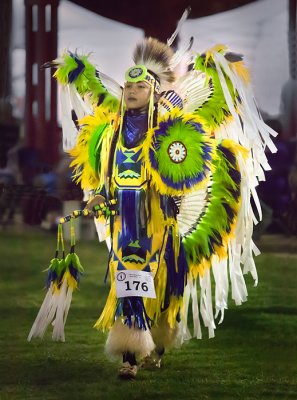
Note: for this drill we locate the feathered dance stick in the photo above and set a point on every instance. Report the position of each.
(63, 278)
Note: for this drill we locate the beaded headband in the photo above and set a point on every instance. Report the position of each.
(139, 73)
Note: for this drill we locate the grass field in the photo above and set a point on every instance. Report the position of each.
(253, 356)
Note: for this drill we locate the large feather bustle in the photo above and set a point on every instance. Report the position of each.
(156, 56)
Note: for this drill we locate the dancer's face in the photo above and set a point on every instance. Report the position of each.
(137, 95)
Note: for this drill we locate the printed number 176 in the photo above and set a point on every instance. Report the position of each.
(136, 284)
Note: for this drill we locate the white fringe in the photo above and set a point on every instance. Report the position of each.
(238, 287)
(206, 303)
(185, 332)
(251, 132)
(220, 273)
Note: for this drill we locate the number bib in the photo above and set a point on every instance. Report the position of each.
(130, 283)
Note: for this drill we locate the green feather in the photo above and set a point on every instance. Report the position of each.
(215, 110)
(192, 140)
(214, 222)
(94, 147)
(76, 263)
(73, 260)
(86, 82)
(61, 268)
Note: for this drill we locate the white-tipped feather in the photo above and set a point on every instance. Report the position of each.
(76, 102)
(67, 304)
(54, 310)
(111, 85)
(69, 128)
(36, 327)
(102, 229)
(46, 314)
(58, 331)
(179, 26)
(193, 90)
(181, 58)
(190, 208)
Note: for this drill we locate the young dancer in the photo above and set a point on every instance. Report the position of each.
(171, 162)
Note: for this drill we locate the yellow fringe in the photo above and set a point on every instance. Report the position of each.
(154, 306)
(106, 319)
(173, 309)
(156, 222)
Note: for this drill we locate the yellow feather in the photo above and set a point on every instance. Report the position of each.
(83, 173)
(235, 148)
(70, 280)
(218, 48)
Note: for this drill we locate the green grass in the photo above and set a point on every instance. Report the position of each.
(253, 356)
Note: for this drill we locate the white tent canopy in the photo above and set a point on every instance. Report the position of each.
(259, 31)
(111, 42)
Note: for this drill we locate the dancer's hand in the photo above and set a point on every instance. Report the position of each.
(95, 201)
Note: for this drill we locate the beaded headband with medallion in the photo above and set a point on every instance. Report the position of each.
(139, 73)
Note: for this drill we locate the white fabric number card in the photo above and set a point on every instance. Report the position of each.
(130, 283)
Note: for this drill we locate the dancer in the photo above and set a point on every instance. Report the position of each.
(171, 162)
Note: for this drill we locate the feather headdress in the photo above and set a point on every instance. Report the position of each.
(156, 56)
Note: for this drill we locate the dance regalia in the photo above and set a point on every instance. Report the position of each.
(180, 181)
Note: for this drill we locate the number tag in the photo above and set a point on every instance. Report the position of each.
(135, 283)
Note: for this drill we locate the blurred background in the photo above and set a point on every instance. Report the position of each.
(35, 178)
(253, 356)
